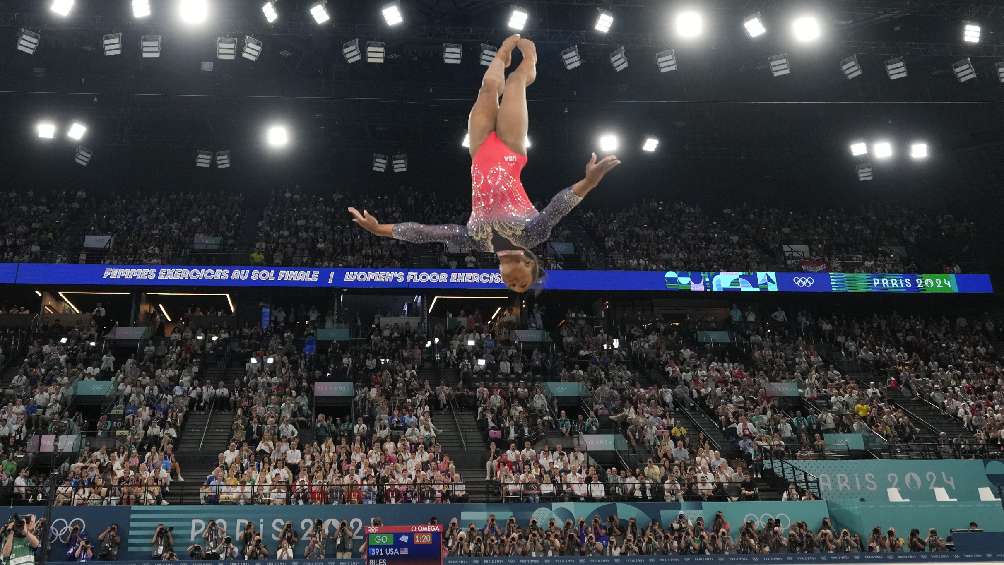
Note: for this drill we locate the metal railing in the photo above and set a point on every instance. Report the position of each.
(690, 490)
(456, 422)
(790, 472)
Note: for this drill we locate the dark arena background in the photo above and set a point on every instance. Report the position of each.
(771, 334)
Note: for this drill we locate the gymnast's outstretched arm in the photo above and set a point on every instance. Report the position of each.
(454, 236)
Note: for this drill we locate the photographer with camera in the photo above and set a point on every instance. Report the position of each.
(84, 551)
(225, 550)
(257, 549)
(343, 541)
(162, 541)
(110, 542)
(19, 541)
(196, 553)
(316, 540)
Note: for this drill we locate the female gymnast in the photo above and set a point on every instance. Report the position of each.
(502, 218)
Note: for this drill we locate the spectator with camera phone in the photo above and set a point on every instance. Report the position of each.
(19, 540)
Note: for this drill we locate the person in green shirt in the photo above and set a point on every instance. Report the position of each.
(9, 466)
(19, 541)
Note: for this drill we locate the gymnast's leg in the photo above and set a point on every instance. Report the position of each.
(513, 120)
(481, 122)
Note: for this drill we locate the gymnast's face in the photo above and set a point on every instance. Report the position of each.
(517, 272)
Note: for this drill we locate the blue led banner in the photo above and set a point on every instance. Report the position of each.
(674, 281)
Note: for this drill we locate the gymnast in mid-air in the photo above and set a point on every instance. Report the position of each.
(503, 220)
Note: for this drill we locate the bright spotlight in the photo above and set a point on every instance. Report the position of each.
(277, 136)
(971, 32)
(859, 148)
(609, 143)
(320, 13)
(45, 130)
(604, 21)
(806, 29)
(754, 26)
(140, 8)
(61, 7)
(919, 151)
(77, 131)
(650, 145)
(689, 24)
(271, 14)
(518, 18)
(882, 150)
(392, 14)
(193, 12)
(466, 142)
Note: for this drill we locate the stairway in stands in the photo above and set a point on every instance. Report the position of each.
(935, 417)
(470, 461)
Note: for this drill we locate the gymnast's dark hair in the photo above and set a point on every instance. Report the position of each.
(538, 273)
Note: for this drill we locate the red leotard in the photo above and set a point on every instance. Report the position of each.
(497, 195)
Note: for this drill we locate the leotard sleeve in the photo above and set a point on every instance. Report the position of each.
(538, 229)
(454, 236)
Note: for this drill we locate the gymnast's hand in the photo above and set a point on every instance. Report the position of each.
(369, 223)
(595, 171)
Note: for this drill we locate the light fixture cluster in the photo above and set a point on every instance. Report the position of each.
(376, 51)
(880, 150)
(609, 142)
(398, 163)
(204, 159)
(47, 130)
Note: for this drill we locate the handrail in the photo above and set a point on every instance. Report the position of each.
(808, 479)
(700, 427)
(451, 402)
(925, 423)
(209, 420)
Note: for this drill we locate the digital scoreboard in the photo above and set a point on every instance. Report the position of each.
(411, 545)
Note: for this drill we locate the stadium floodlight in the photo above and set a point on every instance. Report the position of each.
(376, 51)
(919, 151)
(277, 136)
(971, 32)
(964, 70)
(779, 65)
(488, 53)
(689, 24)
(754, 26)
(882, 150)
(140, 8)
(351, 51)
(392, 14)
(399, 163)
(319, 11)
(252, 48)
(452, 53)
(851, 67)
(27, 41)
(609, 142)
(571, 58)
(271, 14)
(223, 159)
(865, 172)
(150, 46)
(203, 158)
(45, 130)
(379, 163)
(83, 156)
(466, 141)
(896, 68)
(666, 60)
(61, 7)
(77, 131)
(226, 48)
(481, 362)
(618, 59)
(112, 44)
(1000, 71)
(604, 21)
(806, 29)
(193, 12)
(650, 144)
(859, 148)
(517, 18)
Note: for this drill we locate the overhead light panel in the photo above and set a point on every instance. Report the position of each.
(452, 53)
(919, 151)
(896, 68)
(650, 144)
(571, 58)
(806, 29)
(150, 46)
(27, 41)
(666, 60)
(45, 130)
(865, 172)
(351, 51)
(112, 44)
(252, 48)
(517, 18)
(971, 32)
(1000, 71)
(140, 8)
(604, 21)
(779, 65)
(223, 159)
(319, 11)
(277, 136)
(204, 158)
(618, 59)
(226, 48)
(392, 14)
(83, 156)
(964, 70)
(859, 148)
(754, 26)
(271, 14)
(882, 150)
(488, 53)
(400, 163)
(379, 163)
(609, 143)
(376, 51)
(851, 67)
(61, 7)
(77, 131)
(689, 24)
(193, 12)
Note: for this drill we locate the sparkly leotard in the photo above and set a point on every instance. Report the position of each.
(498, 205)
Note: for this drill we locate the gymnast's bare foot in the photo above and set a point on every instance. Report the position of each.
(528, 68)
(504, 53)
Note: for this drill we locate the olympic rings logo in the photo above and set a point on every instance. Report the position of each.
(61, 529)
(783, 520)
(803, 282)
